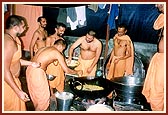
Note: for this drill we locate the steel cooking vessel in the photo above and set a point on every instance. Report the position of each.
(80, 81)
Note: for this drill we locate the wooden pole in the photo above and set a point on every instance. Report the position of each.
(107, 39)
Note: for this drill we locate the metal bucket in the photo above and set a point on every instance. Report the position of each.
(64, 100)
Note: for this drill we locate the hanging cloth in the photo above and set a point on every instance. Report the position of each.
(76, 17)
(114, 12)
(93, 7)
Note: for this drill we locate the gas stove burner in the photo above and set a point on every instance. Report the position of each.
(81, 104)
(129, 100)
(121, 106)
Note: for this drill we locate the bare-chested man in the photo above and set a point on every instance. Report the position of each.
(90, 51)
(39, 36)
(59, 31)
(14, 96)
(36, 77)
(122, 55)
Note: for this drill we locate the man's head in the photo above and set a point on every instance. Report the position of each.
(90, 36)
(17, 23)
(42, 21)
(122, 30)
(60, 45)
(60, 29)
(160, 7)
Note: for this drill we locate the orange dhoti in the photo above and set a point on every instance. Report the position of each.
(84, 65)
(123, 67)
(11, 101)
(153, 88)
(38, 88)
(56, 70)
(116, 69)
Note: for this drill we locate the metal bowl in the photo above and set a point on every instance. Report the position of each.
(73, 64)
(50, 77)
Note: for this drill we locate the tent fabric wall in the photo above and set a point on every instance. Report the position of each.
(140, 19)
(31, 13)
(95, 20)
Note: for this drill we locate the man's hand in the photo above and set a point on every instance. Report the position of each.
(89, 70)
(35, 64)
(23, 96)
(80, 73)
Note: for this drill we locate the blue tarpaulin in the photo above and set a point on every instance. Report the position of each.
(139, 19)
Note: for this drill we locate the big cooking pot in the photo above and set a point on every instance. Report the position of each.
(129, 88)
(90, 94)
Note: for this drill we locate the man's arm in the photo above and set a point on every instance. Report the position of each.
(32, 43)
(48, 41)
(27, 63)
(128, 52)
(64, 66)
(73, 46)
(97, 56)
(9, 50)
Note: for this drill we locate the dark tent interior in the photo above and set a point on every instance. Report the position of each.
(139, 19)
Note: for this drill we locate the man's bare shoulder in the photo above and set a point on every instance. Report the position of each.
(9, 41)
(51, 37)
(36, 33)
(98, 41)
(9, 44)
(80, 39)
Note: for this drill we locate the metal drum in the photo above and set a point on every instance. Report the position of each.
(129, 88)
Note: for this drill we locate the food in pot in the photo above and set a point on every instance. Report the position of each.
(87, 87)
(72, 64)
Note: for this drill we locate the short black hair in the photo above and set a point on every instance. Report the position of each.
(122, 25)
(92, 33)
(14, 20)
(59, 24)
(39, 18)
(60, 42)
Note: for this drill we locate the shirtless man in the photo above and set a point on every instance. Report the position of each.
(14, 97)
(55, 69)
(90, 51)
(39, 36)
(59, 31)
(36, 77)
(123, 50)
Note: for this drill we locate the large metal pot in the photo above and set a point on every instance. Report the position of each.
(128, 89)
(128, 85)
(80, 81)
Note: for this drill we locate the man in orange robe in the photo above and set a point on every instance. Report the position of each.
(56, 69)
(122, 55)
(14, 97)
(36, 77)
(90, 51)
(153, 88)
